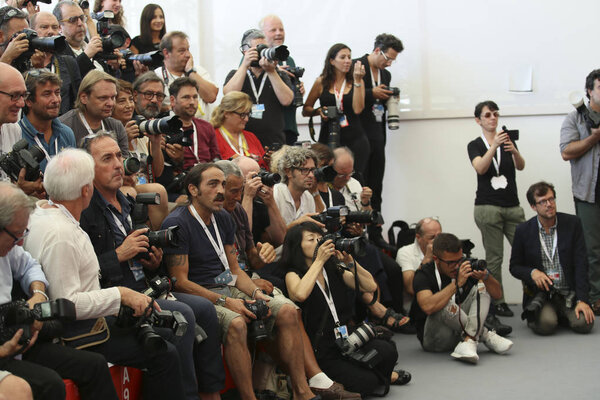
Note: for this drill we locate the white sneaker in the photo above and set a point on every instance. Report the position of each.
(497, 343)
(466, 351)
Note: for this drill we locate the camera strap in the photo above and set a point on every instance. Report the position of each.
(554, 243)
(219, 249)
(339, 96)
(253, 85)
(195, 141)
(328, 297)
(242, 149)
(43, 148)
(87, 126)
(498, 157)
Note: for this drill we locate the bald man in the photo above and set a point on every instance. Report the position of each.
(272, 27)
(13, 85)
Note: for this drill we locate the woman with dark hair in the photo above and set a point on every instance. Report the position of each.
(340, 87)
(152, 29)
(111, 5)
(320, 279)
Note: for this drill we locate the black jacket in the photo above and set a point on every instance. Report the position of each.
(526, 254)
(375, 130)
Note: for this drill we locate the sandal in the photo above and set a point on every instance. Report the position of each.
(403, 377)
(398, 323)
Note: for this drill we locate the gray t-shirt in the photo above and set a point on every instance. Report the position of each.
(73, 121)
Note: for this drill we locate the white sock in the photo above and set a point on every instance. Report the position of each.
(320, 381)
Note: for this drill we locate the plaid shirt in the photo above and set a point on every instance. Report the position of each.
(552, 268)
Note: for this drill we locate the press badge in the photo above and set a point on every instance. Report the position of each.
(343, 121)
(141, 179)
(257, 111)
(137, 269)
(554, 276)
(499, 182)
(378, 111)
(226, 278)
(341, 332)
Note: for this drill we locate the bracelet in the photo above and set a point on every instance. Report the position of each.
(254, 292)
(367, 204)
(357, 84)
(42, 293)
(315, 194)
(487, 275)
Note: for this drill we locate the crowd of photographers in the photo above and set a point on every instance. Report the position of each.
(158, 236)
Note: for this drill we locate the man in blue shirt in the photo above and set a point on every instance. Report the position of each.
(40, 125)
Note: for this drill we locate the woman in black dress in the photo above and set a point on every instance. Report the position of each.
(322, 283)
(152, 29)
(340, 86)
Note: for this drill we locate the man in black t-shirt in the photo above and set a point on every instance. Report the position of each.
(453, 299)
(494, 157)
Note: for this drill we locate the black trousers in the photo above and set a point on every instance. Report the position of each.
(45, 365)
(375, 170)
(395, 283)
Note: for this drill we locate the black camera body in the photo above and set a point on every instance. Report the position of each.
(17, 315)
(365, 217)
(22, 156)
(276, 53)
(395, 91)
(476, 264)
(256, 328)
(333, 126)
(356, 246)
(152, 59)
(268, 178)
(111, 35)
(46, 44)
(139, 215)
(131, 165)
(331, 217)
(298, 72)
(325, 174)
(532, 310)
(582, 110)
(513, 134)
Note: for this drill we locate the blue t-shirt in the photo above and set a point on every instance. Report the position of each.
(204, 263)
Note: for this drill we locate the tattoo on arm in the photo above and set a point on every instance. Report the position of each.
(233, 251)
(175, 260)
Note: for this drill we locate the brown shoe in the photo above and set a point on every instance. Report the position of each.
(336, 392)
(596, 307)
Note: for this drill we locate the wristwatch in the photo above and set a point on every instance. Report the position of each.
(357, 84)
(188, 73)
(221, 301)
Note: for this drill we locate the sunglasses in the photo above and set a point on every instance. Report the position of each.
(489, 114)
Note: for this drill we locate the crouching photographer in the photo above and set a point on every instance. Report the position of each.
(129, 254)
(453, 296)
(318, 277)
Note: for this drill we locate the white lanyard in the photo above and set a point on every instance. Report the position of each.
(554, 242)
(87, 126)
(262, 85)
(330, 197)
(329, 298)
(195, 139)
(39, 143)
(498, 154)
(240, 150)
(439, 279)
(339, 96)
(219, 249)
(373, 81)
(120, 224)
(64, 211)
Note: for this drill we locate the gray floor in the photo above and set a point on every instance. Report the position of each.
(565, 365)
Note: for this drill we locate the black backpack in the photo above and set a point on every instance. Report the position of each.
(405, 235)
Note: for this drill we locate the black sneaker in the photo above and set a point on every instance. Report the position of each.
(494, 324)
(502, 310)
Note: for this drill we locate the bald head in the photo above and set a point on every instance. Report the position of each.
(247, 165)
(426, 230)
(343, 164)
(272, 27)
(11, 81)
(45, 24)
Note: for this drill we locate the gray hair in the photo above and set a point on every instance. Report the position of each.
(87, 141)
(250, 35)
(68, 172)
(229, 168)
(261, 23)
(341, 151)
(12, 199)
(294, 157)
(149, 76)
(57, 11)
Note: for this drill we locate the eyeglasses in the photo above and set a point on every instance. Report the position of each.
(16, 238)
(388, 59)
(36, 72)
(306, 171)
(346, 176)
(149, 95)
(451, 262)
(242, 115)
(489, 114)
(14, 97)
(73, 20)
(545, 202)
(11, 13)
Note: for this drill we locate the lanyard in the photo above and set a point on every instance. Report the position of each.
(339, 96)
(39, 143)
(439, 280)
(498, 154)
(242, 149)
(87, 126)
(219, 249)
(64, 211)
(554, 242)
(330, 197)
(195, 139)
(329, 298)
(373, 81)
(119, 223)
(262, 85)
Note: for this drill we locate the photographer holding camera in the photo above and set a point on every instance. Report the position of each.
(13, 40)
(452, 301)
(127, 259)
(44, 364)
(550, 257)
(269, 89)
(318, 277)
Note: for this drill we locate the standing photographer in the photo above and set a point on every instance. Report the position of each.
(319, 283)
(453, 300)
(269, 89)
(13, 42)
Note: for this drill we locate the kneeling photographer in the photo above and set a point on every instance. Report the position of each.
(549, 256)
(129, 254)
(318, 277)
(453, 296)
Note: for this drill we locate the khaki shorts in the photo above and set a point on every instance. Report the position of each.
(225, 315)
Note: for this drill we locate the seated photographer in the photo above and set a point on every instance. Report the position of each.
(40, 124)
(14, 388)
(46, 25)
(265, 220)
(184, 94)
(320, 282)
(14, 44)
(269, 89)
(205, 265)
(146, 149)
(95, 103)
(550, 257)
(229, 120)
(116, 227)
(43, 364)
(452, 301)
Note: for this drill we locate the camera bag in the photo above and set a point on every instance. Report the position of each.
(87, 333)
